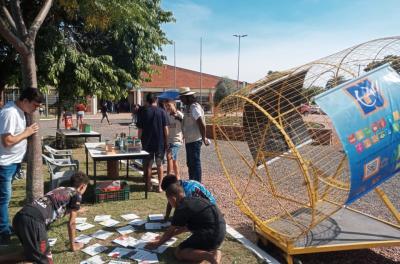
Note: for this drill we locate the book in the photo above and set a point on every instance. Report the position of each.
(101, 218)
(137, 222)
(164, 246)
(80, 220)
(93, 260)
(156, 225)
(94, 249)
(83, 239)
(84, 226)
(109, 222)
(102, 234)
(119, 252)
(143, 256)
(129, 217)
(125, 230)
(125, 241)
(156, 217)
(52, 241)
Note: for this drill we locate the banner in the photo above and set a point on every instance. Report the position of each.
(366, 115)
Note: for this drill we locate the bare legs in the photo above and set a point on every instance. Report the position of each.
(172, 166)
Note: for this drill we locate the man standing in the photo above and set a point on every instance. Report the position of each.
(13, 142)
(194, 132)
(152, 126)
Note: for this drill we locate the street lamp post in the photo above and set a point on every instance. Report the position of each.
(239, 37)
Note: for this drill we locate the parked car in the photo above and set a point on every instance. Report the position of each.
(307, 109)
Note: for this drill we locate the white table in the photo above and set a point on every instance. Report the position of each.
(97, 153)
(65, 133)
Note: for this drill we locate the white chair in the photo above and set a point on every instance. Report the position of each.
(60, 170)
(61, 154)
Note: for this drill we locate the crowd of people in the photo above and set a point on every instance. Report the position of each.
(163, 129)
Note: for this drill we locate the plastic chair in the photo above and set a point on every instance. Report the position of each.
(61, 154)
(60, 170)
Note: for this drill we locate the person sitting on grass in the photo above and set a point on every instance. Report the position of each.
(191, 188)
(198, 216)
(32, 221)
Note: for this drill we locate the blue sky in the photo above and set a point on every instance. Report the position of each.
(281, 33)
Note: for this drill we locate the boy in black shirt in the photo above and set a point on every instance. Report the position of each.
(32, 221)
(202, 219)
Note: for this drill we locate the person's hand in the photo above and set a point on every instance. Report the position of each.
(206, 141)
(153, 244)
(76, 246)
(32, 129)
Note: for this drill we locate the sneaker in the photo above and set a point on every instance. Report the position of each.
(5, 240)
(20, 175)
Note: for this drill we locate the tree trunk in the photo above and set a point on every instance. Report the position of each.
(34, 179)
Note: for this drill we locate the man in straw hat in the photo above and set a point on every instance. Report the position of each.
(194, 132)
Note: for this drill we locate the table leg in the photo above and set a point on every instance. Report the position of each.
(87, 161)
(127, 168)
(94, 180)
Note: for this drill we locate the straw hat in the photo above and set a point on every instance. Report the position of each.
(185, 91)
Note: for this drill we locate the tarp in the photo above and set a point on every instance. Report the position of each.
(366, 115)
(169, 95)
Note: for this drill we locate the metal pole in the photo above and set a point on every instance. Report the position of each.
(47, 104)
(174, 67)
(239, 37)
(201, 70)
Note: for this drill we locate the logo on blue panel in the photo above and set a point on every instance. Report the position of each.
(367, 95)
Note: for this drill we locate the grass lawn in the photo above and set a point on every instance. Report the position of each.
(232, 251)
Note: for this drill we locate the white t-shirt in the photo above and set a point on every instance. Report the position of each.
(12, 121)
(191, 130)
(175, 129)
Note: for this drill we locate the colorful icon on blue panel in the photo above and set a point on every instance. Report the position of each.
(382, 123)
(367, 95)
(396, 115)
(359, 135)
(367, 131)
(396, 127)
(375, 126)
(375, 139)
(367, 143)
(359, 147)
(352, 139)
(382, 135)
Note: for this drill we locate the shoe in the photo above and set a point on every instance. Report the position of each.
(5, 240)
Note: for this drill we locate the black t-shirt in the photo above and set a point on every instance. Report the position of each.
(198, 215)
(152, 121)
(55, 204)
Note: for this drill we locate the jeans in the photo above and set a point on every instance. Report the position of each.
(6, 176)
(193, 160)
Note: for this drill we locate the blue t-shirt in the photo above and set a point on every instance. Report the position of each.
(196, 189)
(152, 121)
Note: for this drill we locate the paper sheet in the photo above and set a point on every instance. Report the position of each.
(102, 234)
(129, 217)
(164, 246)
(125, 230)
(119, 252)
(157, 225)
(126, 241)
(143, 256)
(137, 222)
(94, 249)
(118, 262)
(83, 239)
(101, 218)
(109, 223)
(156, 217)
(80, 220)
(52, 241)
(84, 226)
(93, 260)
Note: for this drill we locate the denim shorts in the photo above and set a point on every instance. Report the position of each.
(173, 148)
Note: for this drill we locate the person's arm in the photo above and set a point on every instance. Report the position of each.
(166, 132)
(171, 231)
(71, 232)
(9, 140)
(168, 211)
(202, 128)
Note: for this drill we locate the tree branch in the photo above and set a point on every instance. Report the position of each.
(13, 39)
(19, 20)
(8, 16)
(37, 23)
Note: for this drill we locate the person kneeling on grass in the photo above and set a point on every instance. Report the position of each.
(191, 188)
(31, 222)
(202, 219)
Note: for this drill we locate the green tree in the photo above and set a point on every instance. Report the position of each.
(77, 50)
(224, 88)
(393, 60)
(335, 81)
